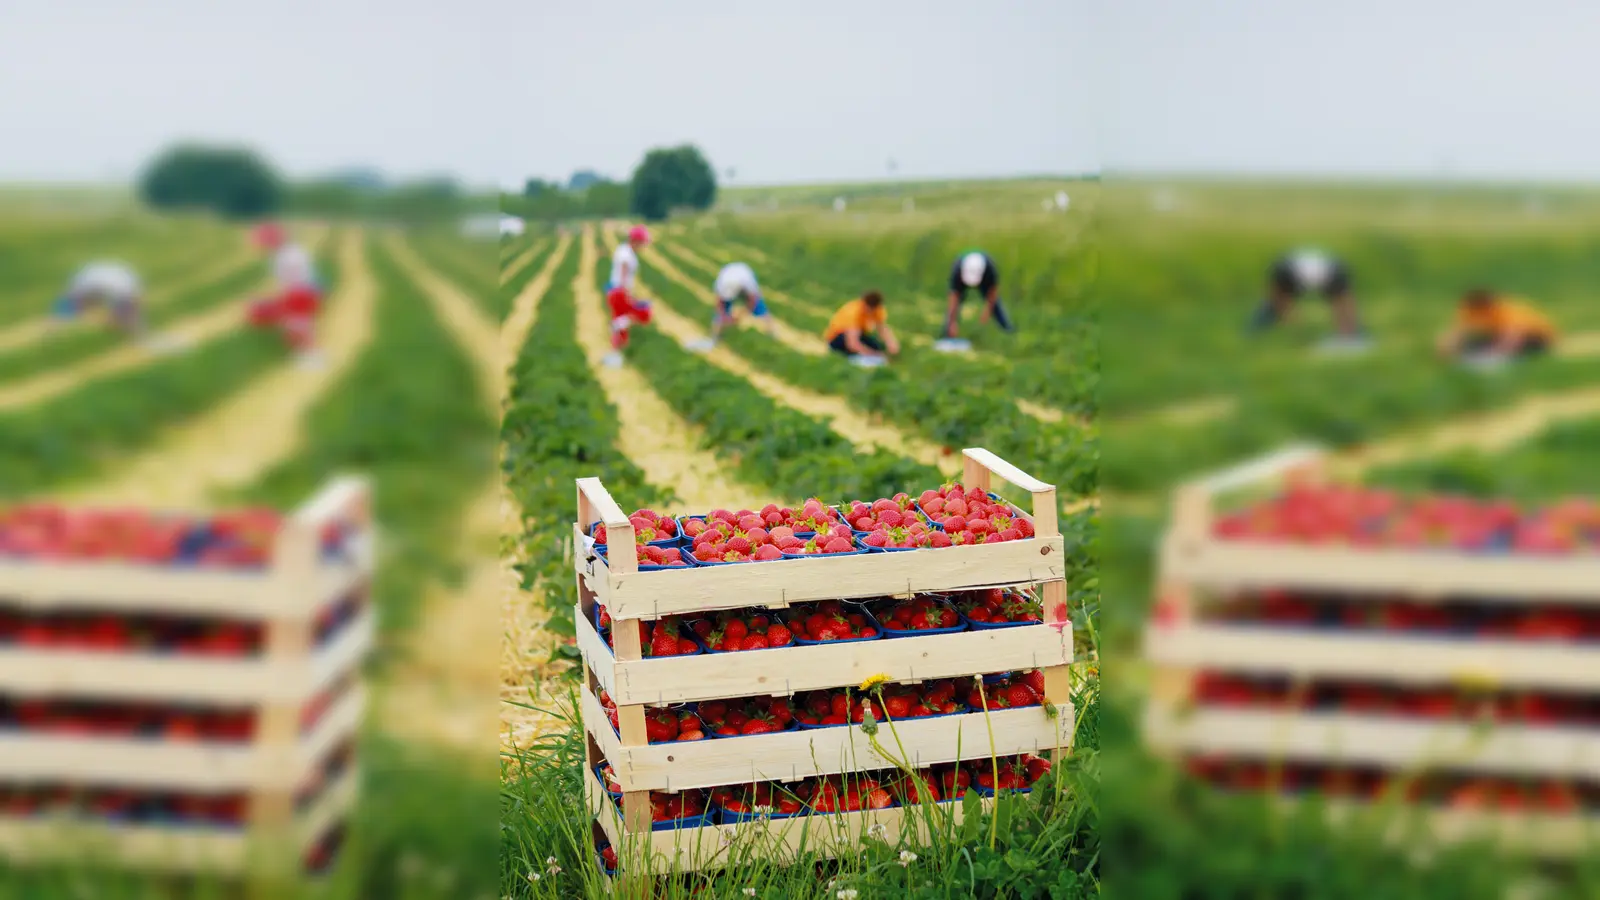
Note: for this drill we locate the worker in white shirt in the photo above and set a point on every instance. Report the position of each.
(626, 309)
(112, 286)
(297, 299)
(737, 283)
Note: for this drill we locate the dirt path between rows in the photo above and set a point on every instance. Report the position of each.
(653, 435)
(188, 333)
(849, 423)
(258, 427)
(515, 267)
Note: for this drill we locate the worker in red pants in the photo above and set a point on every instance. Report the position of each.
(293, 308)
(626, 309)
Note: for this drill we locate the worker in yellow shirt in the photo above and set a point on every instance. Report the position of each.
(1495, 325)
(860, 330)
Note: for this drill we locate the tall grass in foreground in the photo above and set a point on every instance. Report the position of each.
(1042, 844)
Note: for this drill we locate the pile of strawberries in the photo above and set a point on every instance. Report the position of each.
(1380, 698)
(1459, 791)
(755, 715)
(1017, 773)
(174, 723)
(838, 540)
(663, 637)
(924, 612)
(766, 797)
(1015, 690)
(651, 555)
(829, 620)
(995, 606)
(971, 516)
(733, 630)
(745, 536)
(124, 805)
(842, 706)
(118, 632)
(893, 523)
(1545, 622)
(846, 793)
(661, 726)
(665, 807)
(648, 526)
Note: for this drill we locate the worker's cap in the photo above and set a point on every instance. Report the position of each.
(639, 234)
(972, 267)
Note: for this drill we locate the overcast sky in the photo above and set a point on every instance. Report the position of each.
(816, 90)
(90, 89)
(1465, 87)
(496, 90)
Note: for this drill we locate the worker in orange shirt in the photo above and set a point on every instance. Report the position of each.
(1496, 326)
(860, 330)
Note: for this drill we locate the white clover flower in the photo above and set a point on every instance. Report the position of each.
(846, 894)
(532, 875)
(749, 892)
(907, 857)
(879, 830)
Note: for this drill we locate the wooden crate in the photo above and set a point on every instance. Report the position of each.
(635, 682)
(1179, 644)
(286, 596)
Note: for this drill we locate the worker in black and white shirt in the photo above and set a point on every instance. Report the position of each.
(974, 270)
(1307, 271)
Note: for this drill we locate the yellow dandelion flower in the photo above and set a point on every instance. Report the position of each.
(873, 681)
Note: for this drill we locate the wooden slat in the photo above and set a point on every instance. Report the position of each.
(183, 679)
(783, 671)
(162, 764)
(1518, 579)
(824, 751)
(1390, 742)
(651, 595)
(694, 849)
(1391, 657)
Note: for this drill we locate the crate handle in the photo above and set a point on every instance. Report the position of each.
(1259, 469)
(595, 505)
(979, 465)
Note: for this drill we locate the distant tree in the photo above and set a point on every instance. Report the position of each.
(673, 177)
(533, 187)
(607, 198)
(583, 178)
(231, 181)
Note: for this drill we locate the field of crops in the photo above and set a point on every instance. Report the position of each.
(1187, 390)
(778, 418)
(230, 420)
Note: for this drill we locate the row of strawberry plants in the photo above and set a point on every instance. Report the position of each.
(63, 349)
(508, 291)
(467, 263)
(38, 263)
(558, 427)
(766, 442)
(407, 428)
(418, 434)
(913, 393)
(90, 427)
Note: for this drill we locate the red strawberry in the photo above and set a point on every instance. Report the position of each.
(779, 636)
(837, 545)
(1034, 680)
(1020, 695)
(753, 642)
(660, 725)
(897, 707)
(769, 552)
